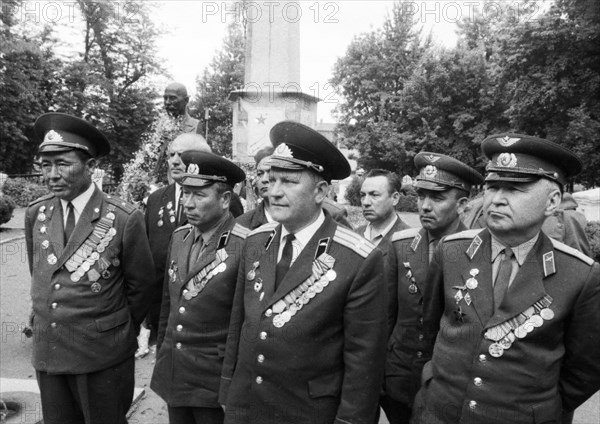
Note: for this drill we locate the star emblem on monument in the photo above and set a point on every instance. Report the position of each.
(261, 119)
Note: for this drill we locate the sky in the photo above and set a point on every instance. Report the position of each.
(195, 31)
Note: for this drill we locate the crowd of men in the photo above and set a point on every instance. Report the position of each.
(284, 314)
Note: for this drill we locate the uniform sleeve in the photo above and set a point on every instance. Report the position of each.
(138, 267)
(234, 333)
(365, 339)
(580, 373)
(165, 304)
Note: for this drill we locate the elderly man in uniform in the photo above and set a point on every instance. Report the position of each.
(308, 330)
(176, 100)
(90, 265)
(203, 262)
(516, 312)
(379, 195)
(164, 213)
(443, 187)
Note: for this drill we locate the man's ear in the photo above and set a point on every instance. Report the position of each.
(554, 199)
(461, 204)
(91, 163)
(321, 190)
(395, 198)
(226, 199)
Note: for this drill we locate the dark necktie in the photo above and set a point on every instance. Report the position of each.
(286, 259)
(196, 252)
(179, 209)
(503, 277)
(70, 225)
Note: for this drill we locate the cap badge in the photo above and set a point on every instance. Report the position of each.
(193, 169)
(432, 158)
(430, 171)
(507, 141)
(507, 160)
(284, 150)
(53, 136)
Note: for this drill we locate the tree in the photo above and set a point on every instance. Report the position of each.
(224, 74)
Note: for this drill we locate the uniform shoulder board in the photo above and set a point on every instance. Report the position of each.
(41, 199)
(467, 234)
(183, 227)
(353, 241)
(265, 228)
(240, 231)
(409, 233)
(121, 204)
(571, 251)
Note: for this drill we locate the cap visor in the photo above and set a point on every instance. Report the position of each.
(430, 185)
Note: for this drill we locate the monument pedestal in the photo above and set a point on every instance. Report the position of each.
(256, 111)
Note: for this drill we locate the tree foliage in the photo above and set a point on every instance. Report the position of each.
(535, 73)
(224, 74)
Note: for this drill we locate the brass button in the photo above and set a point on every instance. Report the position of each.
(263, 335)
(56, 286)
(482, 358)
(268, 313)
(472, 404)
(181, 309)
(261, 358)
(259, 380)
(419, 354)
(179, 327)
(54, 305)
(178, 345)
(421, 337)
(53, 325)
(477, 381)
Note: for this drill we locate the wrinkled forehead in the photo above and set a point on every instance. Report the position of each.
(377, 183)
(290, 174)
(169, 92)
(69, 155)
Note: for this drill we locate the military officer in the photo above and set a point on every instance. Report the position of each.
(90, 266)
(199, 285)
(164, 213)
(308, 330)
(515, 312)
(379, 195)
(443, 187)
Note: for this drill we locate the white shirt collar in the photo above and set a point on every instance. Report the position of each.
(79, 203)
(376, 238)
(268, 215)
(302, 237)
(521, 251)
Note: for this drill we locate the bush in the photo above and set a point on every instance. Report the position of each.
(7, 206)
(408, 200)
(592, 231)
(353, 191)
(23, 191)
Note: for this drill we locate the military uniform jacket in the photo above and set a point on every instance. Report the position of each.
(161, 221)
(193, 330)
(407, 266)
(324, 364)
(554, 365)
(88, 322)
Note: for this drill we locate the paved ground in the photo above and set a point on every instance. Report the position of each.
(15, 349)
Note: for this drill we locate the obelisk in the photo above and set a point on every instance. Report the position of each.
(272, 91)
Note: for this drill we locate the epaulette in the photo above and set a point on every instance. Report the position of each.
(240, 231)
(467, 234)
(121, 204)
(183, 227)
(571, 251)
(405, 234)
(41, 199)
(353, 241)
(265, 228)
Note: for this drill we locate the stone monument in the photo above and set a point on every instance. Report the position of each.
(272, 91)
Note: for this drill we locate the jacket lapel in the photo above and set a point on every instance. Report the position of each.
(268, 262)
(85, 226)
(479, 258)
(419, 258)
(301, 269)
(183, 253)
(55, 227)
(169, 196)
(528, 285)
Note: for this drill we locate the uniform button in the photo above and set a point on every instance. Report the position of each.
(477, 381)
(421, 337)
(261, 358)
(181, 309)
(54, 305)
(482, 358)
(472, 404)
(263, 335)
(419, 354)
(421, 320)
(178, 345)
(268, 313)
(53, 325)
(179, 327)
(259, 380)
(56, 286)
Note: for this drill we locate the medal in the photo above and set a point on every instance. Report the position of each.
(93, 275)
(43, 229)
(412, 288)
(458, 296)
(331, 275)
(262, 295)
(474, 272)
(258, 286)
(286, 316)
(75, 277)
(45, 244)
(160, 223)
(547, 314)
(169, 205)
(536, 321)
(505, 343)
(41, 217)
(471, 283)
(222, 267)
(251, 276)
(172, 219)
(96, 287)
(468, 299)
(520, 332)
(187, 295)
(278, 321)
(496, 350)
(52, 259)
(106, 274)
(111, 216)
